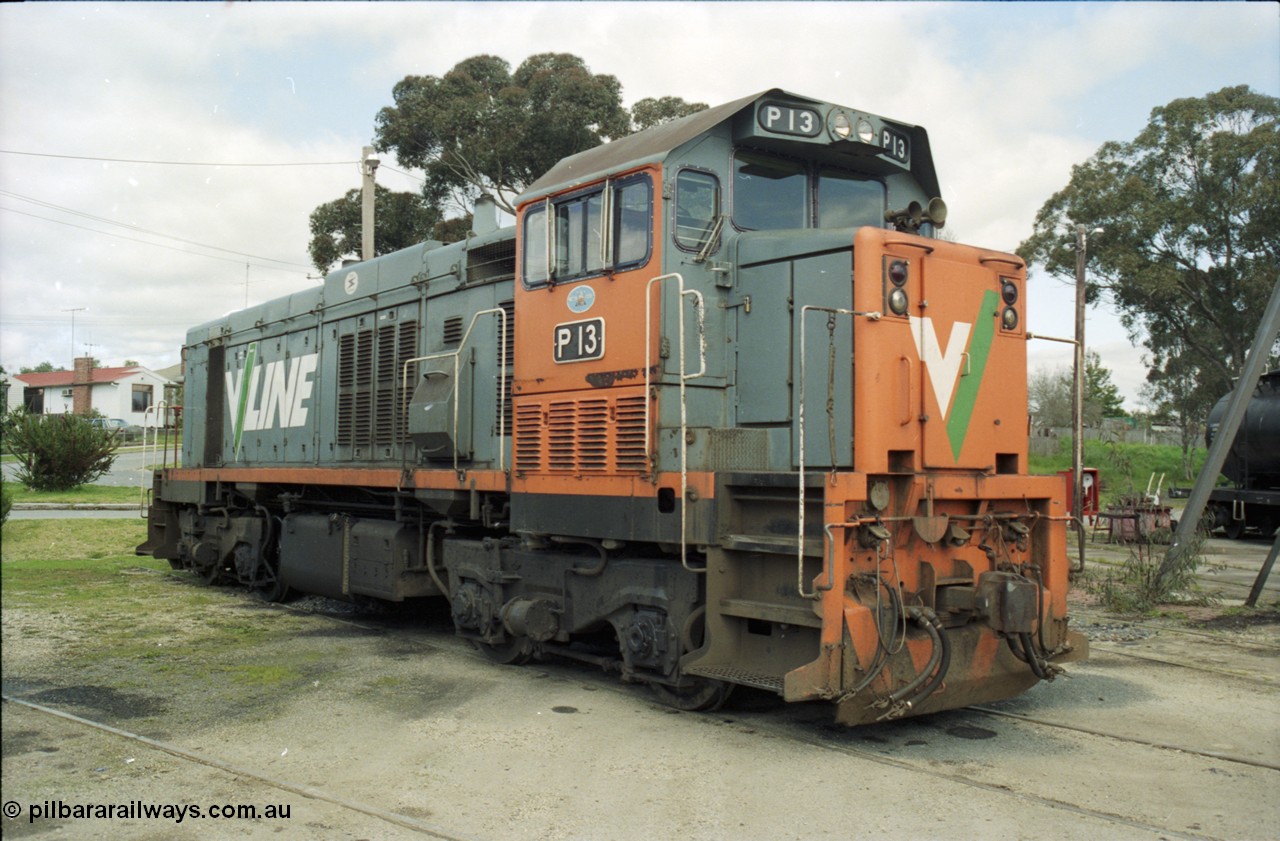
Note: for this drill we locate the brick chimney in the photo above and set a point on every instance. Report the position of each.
(82, 385)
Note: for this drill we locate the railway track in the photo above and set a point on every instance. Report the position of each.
(809, 726)
(243, 772)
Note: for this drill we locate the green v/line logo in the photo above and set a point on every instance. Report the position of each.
(269, 395)
(242, 397)
(944, 366)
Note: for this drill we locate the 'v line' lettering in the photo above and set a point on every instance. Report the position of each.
(269, 395)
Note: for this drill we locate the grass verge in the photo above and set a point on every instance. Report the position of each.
(83, 495)
(81, 610)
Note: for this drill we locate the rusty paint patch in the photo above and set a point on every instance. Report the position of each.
(608, 379)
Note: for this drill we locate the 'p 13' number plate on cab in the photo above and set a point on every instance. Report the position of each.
(579, 340)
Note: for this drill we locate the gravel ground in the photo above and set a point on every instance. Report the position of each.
(385, 726)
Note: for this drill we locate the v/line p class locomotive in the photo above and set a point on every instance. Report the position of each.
(719, 410)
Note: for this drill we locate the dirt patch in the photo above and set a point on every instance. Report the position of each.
(1236, 620)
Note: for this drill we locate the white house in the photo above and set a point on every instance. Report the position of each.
(124, 393)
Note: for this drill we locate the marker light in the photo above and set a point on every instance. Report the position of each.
(1009, 319)
(898, 272)
(898, 302)
(866, 132)
(1008, 291)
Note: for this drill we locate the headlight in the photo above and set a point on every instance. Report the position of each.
(866, 132)
(898, 302)
(841, 127)
(1009, 319)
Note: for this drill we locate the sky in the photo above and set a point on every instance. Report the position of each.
(117, 259)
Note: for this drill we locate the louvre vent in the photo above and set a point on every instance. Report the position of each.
(602, 435)
(507, 356)
(528, 446)
(629, 435)
(453, 330)
(370, 405)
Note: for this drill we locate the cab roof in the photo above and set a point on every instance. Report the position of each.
(654, 144)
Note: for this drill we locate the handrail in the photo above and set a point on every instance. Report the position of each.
(993, 258)
(146, 453)
(805, 310)
(927, 249)
(457, 355)
(701, 311)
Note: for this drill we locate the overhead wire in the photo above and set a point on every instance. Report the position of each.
(173, 163)
(241, 255)
(240, 261)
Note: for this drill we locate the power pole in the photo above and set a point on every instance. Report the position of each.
(368, 168)
(1077, 396)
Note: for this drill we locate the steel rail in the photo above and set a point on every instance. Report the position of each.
(1150, 743)
(240, 771)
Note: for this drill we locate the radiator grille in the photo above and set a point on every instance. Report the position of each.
(507, 354)
(370, 405)
(492, 262)
(528, 443)
(596, 434)
(630, 447)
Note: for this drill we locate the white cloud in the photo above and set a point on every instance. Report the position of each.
(1012, 96)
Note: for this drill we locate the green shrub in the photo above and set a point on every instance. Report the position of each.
(6, 503)
(7, 422)
(60, 452)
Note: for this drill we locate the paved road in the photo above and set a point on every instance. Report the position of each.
(126, 471)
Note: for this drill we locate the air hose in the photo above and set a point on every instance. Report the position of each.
(931, 676)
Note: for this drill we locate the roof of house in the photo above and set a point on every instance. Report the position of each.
(54, 379)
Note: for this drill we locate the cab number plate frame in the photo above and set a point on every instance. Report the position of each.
(578, 341)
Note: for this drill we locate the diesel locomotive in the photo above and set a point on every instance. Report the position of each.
(720, 409)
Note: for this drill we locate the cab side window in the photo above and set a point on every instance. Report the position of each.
(598, 230)
(697, 208)
(535, 253)
(578, 235)
(632, 225)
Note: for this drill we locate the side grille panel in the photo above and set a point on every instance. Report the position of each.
(370, 406)
(600, 434)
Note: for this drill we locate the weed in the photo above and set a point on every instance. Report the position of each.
(1137, 587)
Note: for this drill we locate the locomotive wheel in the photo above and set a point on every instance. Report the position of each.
(702, 694)
(514, 652)
(1234, 529)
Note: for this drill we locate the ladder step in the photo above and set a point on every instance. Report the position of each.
(758, 680)
(771, 612)
(770, 544)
